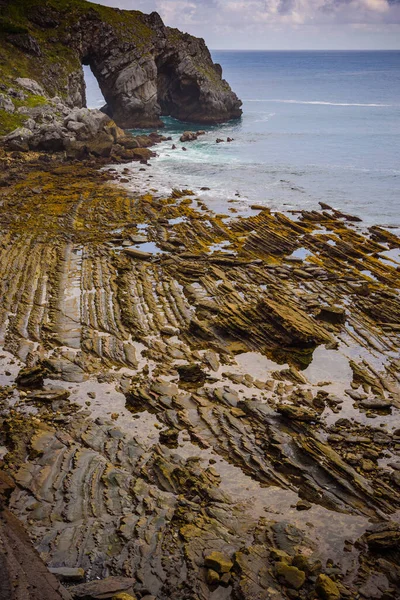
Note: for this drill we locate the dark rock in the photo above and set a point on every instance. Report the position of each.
(31, 377)
(191, 374)
(376, 404)
(332, 314)
(25, 42)
(169, 437)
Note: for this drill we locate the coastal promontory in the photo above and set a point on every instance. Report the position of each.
(144, 69)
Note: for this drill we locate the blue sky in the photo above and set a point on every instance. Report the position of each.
(281, 24)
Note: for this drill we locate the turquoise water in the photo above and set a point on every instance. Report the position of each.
(316, 126)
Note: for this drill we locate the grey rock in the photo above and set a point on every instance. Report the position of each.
(31, 85)
(68, 573)
(6, 104)
(18, 139)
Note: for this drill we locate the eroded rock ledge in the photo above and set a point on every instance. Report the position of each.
(144, 69)
(159, 416)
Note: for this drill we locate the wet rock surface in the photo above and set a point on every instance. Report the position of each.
(186, 424)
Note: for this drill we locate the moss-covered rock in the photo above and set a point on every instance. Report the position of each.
(326, 588)
(291, 576)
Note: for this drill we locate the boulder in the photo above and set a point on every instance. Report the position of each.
(31, 377)
(49, 137)
(18, 139)
(326, 588)
(6, 104)
(291, 576)
(189, 136)
(191, 374)
(218, 562)
(31, 85)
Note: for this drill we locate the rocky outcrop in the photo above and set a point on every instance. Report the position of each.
(144, 68)
(23, 575)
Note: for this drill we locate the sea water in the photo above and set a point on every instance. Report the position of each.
(316, 127)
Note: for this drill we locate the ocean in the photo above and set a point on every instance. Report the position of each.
(317, 126)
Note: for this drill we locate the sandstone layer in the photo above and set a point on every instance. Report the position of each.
(194, 405)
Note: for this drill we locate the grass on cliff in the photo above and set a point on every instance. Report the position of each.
(9, 122)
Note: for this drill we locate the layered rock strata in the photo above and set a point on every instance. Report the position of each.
(202, 414)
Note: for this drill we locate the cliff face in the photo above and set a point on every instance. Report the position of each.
(143, 68)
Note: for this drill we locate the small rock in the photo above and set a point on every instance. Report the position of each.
(326, 588)
(31, 377)
(292, 576)
(219, 562)
(191, 374)
(212, 577)
(297, 413)
(68, 573)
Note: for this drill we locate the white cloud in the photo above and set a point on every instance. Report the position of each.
(280, 23)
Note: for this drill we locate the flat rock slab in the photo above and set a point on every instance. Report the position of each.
(104, 588)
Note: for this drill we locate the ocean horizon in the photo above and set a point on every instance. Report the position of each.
(317, 126)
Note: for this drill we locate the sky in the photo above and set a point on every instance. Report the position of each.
(280, 24)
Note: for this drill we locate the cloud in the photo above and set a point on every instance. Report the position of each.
(279, 23)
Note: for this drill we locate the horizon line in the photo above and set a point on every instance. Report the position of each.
(307, 49)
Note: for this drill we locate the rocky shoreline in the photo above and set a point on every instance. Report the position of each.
(193, 406)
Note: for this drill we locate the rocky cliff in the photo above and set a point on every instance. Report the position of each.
(143, 68)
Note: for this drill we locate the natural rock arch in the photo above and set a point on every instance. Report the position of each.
(150, 71)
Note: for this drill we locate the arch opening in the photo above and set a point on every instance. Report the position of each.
(94, 95)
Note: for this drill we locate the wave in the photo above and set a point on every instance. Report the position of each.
(319, 102)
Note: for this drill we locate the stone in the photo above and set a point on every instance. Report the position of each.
(104, 588)
(68, 573)
(6, 104)
(376, 404)
(218, 562)
(386, 539)
(18, 139)
(336, 315)
(326, 588)
(124, 596)
(297, 413)
(49, 395)
(31, 85)
(31, 377)
(191, 374)
(212, 577)
(292, 576)
(189, 136)
(280, 555)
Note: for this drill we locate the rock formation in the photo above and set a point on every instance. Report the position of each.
(152, 443)
(143, 68)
